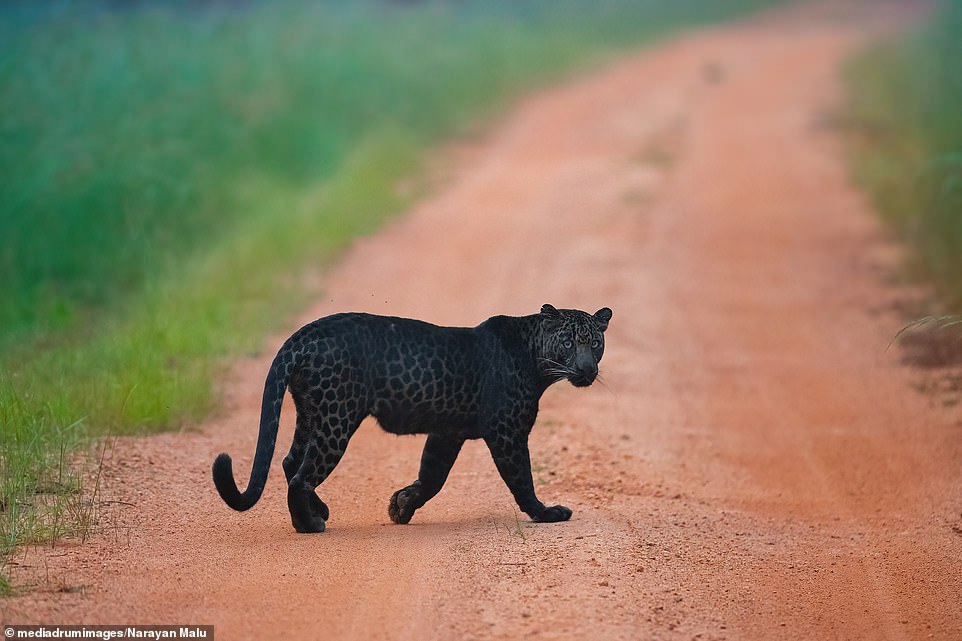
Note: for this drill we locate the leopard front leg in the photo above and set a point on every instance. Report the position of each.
(439, 455)
(510, 453)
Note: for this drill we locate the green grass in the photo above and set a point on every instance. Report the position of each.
(906, 116)
(169, 170)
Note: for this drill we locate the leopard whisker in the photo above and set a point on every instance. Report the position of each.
(605, 385)
(556, 368)
(559, 373)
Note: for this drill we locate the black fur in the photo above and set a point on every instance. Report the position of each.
(451, 383)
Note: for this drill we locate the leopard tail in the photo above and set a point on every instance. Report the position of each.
(274, 388)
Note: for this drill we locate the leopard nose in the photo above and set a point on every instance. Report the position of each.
(588, 371)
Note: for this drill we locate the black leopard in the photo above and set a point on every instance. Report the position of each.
(451, 383)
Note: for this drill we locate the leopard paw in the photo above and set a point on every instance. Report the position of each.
(403, 504)
(311, 525)
(308, 512)
(552, 514)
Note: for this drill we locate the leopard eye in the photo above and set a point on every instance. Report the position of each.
(567, 344)
(595, 344)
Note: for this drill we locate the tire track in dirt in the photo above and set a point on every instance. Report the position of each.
(755, 465)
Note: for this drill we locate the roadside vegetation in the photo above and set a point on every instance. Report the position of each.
(905, 116)
(168, 170)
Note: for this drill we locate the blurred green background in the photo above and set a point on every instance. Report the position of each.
(905, 115)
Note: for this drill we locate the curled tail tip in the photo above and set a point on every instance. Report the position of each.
(223, 474)
(222, 469)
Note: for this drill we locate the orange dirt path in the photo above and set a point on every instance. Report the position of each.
(756, 464)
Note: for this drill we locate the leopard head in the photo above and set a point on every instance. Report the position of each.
(572, 343)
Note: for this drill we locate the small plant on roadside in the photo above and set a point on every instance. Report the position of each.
(939, 322)
(515, 529)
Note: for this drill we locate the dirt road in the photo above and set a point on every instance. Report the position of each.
(756, 465)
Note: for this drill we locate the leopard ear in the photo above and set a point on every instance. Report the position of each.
(550, 318)
(602, 316)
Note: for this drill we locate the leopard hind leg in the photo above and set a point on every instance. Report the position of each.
(292, 462)
(322, 451)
